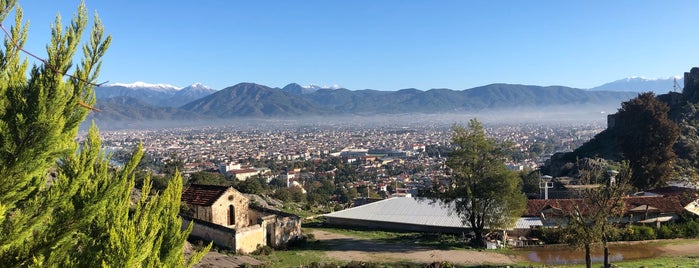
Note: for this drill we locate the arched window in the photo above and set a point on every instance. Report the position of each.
(231, 215)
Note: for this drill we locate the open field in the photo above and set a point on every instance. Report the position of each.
(397, 250)
(391, 249)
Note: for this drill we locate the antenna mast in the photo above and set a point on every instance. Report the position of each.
(675, 85)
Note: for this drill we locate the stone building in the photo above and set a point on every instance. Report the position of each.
(223, 215)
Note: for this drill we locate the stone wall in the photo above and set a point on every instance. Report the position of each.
(219, 235)
(221, 210)
(202, 213)
(281, 227)
(282, 230)
(250, 238)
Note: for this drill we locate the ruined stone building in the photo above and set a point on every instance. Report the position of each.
(223, 215)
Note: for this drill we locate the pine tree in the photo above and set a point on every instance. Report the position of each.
(61, 203)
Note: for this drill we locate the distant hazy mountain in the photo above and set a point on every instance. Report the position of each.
(640, 84)
(129, 108)
(252, 100)
(246, 99)
(154, 102)
(162, 95)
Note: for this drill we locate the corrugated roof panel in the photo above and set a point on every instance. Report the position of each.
(407, 210)
(528, 222)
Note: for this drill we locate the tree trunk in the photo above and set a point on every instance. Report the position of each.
(588, 260)
(479, 240)
(606, 253)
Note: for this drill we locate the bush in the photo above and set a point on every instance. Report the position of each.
(637, 233)
(263, 250)
(691, 229)
(548, 235)
(665, 232)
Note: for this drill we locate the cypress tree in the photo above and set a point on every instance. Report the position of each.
(61, 203)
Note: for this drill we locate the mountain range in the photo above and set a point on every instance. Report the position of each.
(161, 95)
(641, 84)
(141, 101)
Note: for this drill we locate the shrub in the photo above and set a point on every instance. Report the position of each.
(637, 233)
(263, 250)
(691, 229)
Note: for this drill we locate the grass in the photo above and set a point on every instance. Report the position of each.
(663, 261)
(313, 253)
(438, 241)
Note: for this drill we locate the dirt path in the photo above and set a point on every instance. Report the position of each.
(345, 248)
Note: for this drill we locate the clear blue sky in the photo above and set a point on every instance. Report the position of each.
(386, 45)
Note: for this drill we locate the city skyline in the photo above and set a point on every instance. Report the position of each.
(385, 45)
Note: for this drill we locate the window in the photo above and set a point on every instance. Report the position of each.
(231, 215)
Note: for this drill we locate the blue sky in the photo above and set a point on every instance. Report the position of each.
(385, 45)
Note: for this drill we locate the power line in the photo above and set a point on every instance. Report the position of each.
(46, 63)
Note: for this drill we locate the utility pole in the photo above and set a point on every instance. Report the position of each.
(545, 184)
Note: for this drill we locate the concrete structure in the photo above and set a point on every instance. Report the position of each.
(222, 215)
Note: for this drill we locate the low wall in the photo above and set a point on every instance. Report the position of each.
(249, 238)
(221, 236)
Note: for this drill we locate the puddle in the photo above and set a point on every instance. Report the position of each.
(562, 255)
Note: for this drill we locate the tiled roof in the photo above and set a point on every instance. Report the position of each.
(535, 206)
(202, 195)
(664, 204)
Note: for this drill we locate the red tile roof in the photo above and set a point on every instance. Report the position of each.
(202, 195)
(665, 204)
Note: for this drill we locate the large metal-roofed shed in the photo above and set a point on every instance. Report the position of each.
(401, 214)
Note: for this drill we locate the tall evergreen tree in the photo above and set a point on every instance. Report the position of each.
(482, 191)
(646, 137)
(61, 204)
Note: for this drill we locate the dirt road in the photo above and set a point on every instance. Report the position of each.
(345, 248)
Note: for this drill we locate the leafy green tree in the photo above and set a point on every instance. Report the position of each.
(482, 191)
(530, 181)
(62, 204)
(591, 220)
(646, 137)
(250, 186)
(209, 178)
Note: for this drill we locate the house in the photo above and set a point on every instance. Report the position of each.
(637, 210)
(244, 173)
(223, 215)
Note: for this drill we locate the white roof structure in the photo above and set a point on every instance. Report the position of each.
(528, 222)
(403, 210)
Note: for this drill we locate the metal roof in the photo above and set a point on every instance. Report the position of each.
(528, 222)
(407, 210)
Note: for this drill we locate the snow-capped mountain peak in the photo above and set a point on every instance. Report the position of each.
(316, 87)
(140, 84)
(199, 86)
(642, 78)
(642, 84)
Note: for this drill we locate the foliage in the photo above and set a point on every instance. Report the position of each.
(61, 203)
(590, 221)
(482, 191)
(530, 181)
(646, 137)
(209, 178)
